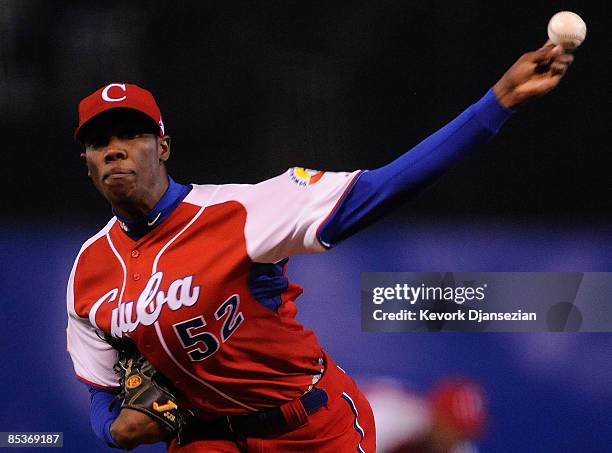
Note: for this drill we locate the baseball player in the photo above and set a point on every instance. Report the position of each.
(448, 419)
(194, 277)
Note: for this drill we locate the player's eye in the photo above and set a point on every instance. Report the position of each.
(96, 143)
(131, 135)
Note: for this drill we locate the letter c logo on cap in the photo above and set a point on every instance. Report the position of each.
(107, 98)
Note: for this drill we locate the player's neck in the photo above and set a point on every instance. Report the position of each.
(138, 207)
(134, 211)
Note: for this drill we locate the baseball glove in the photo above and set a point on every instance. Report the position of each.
(146, 390)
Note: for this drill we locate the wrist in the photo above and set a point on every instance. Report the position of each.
(503, 94)
(491, 113)
(108, 434)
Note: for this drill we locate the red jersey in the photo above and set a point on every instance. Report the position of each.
(184, 293)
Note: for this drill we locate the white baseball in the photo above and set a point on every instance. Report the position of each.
(567, 28)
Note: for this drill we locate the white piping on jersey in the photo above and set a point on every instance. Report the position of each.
(158, 329)
(356, 424)
(81, 368)
(94, 309)
(195, 217)
(200, 380)
(85, 246)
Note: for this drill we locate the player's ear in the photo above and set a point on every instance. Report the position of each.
(163, 148)
(84, 158)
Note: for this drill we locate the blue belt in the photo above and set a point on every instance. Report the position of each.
(271, 422)
(261, 424)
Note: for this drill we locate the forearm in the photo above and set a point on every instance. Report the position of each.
(101, 417)
(376, 192)
(122, 428)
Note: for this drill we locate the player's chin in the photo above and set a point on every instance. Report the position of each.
(118, 191)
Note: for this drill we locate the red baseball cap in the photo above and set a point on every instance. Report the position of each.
(460, 402)
(119, 95)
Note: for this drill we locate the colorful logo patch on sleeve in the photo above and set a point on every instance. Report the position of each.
(304, 177)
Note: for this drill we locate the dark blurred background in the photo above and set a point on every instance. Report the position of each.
(248, 89)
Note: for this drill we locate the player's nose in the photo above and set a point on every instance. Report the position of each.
(114, 150)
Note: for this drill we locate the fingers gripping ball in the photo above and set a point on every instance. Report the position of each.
(144, 389)
(568, 29)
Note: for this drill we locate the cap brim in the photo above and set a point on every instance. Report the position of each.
(113, 116)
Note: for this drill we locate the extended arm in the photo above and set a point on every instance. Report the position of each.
(377, 192)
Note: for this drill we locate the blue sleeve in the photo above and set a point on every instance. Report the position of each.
(376, 192)
(101, 417)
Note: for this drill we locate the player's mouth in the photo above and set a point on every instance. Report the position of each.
(117, 174)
